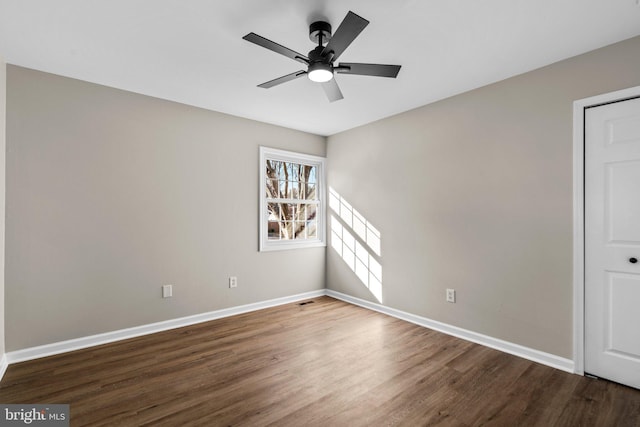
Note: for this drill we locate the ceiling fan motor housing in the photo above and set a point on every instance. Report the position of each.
(316, 55)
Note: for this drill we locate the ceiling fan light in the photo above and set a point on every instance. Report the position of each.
(320, 73)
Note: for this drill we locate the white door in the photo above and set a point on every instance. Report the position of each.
(612, 242)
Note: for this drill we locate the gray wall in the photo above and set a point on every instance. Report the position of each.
(111, 195)
(475, 193)
(3, 98)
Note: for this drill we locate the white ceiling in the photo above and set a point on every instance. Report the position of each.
(191, 51)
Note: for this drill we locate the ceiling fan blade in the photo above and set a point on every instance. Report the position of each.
(378, 70)
(268, 44)
(332, 90)
(283, 79)
(351, 26)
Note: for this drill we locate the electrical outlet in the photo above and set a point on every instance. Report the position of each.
(233, 282)
(451, 295)
(167, 291)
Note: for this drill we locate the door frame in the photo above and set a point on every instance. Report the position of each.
(579, 107)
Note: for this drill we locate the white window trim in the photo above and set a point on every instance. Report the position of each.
(290, 156)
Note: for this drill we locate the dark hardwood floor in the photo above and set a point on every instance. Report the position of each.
(322, 364)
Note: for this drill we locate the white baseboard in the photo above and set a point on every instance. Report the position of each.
(4, 364)
(122, 334)
(548, 359)
(93, 340)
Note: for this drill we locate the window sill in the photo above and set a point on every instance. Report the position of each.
(283, 246)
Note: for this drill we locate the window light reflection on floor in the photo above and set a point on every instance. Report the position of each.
(356, 241)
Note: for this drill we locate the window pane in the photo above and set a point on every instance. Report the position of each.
(286, 230)
(281, 211)
(312, 229)
(290, 221)
(308, 191)
(273, 211)
(296, 172)
(285, 190)
(292, 181)
(302, 190)
(272, 169)
(272, 188)
(273, 230)
(311, 211)
(311, 174)
(282, 170)
(275, 169)
(301, 230)
(294, 190)
(287, 211)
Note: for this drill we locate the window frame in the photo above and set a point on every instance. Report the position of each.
(265, 244)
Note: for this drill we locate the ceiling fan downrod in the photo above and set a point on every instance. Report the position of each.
(320, 32)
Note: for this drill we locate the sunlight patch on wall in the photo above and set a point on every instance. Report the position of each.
(356, 241)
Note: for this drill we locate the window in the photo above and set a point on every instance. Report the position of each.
(291, 200)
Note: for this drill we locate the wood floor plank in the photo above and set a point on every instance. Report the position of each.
(323, 363)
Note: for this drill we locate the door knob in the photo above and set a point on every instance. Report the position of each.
(633, 260)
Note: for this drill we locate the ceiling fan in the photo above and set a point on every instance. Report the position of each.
(320, 61)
